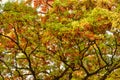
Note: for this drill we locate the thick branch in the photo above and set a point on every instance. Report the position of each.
(100, 53)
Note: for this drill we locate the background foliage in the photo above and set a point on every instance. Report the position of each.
(73, 40)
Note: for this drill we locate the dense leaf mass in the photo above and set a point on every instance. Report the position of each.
(64, 40)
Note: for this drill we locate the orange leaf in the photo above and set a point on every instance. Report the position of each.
(90, 36)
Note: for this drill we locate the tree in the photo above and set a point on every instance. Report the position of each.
(75, 40)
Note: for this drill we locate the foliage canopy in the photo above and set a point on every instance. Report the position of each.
(74, 40)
